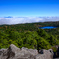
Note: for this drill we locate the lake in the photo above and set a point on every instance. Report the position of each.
(47, 27)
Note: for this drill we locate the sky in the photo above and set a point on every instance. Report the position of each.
(29, 8)
(28, 11)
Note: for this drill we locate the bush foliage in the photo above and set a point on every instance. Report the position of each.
(39, 39)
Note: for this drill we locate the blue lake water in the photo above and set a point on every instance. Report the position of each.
(47, 27)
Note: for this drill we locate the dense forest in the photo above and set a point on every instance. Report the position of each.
(29, 35)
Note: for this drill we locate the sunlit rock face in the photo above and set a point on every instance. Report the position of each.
(14, 52)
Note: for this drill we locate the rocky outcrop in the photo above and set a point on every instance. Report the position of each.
(14, 52)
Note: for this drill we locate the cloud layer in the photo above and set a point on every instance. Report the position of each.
(19, 20)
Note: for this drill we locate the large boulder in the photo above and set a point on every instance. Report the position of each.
(13, 50)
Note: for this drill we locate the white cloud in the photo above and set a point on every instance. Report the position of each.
(18, 20)
(26, 20)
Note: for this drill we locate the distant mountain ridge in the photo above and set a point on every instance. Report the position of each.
(8, 17)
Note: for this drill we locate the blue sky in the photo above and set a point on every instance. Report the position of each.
(29, 8)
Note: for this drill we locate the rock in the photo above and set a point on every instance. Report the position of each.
(23, 48)
(3, 53)
(14, 52)
(41, 51)
(44, 54)
(51, 51)
(31, 51)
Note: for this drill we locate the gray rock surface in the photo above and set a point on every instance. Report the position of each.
(14, 52)
(51, 51)
(44, 54)
(31, 51)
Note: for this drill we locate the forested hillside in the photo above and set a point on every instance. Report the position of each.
(29, 35)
